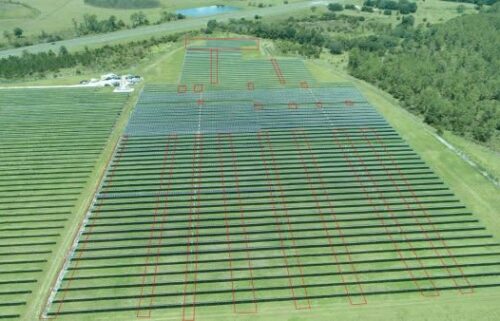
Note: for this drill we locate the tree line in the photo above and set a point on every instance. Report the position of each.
(403, 6)
(124, 4)
(90, 24)
(448, 73)
(308, 38)
(477, 2)
(106, 57)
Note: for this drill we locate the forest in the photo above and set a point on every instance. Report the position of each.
(448, 73)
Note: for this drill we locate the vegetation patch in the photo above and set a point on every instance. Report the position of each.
(478, 2)
(392, 58)
(107, 57)
(124, 4)
(454, 89)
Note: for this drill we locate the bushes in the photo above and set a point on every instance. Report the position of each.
(403, 6)
(408, 20)
(336, 47)
(106, 57)
(92, 25)
(335, 7)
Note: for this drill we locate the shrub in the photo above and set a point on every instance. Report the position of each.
(335, 7)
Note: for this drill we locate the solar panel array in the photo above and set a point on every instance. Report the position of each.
(50, 140)
(234, 200)
(232, 70)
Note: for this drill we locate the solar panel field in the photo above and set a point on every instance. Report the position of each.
(50, 141)
(217, 63)
(246, 191)
(216, 205)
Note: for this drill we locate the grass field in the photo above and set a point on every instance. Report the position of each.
(128, 35)
(285, 203)
(51, 140)
(57, 15)
(433, 11)
(482, 155)
(10, 10)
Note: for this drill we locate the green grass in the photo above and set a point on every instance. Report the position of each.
(433, 11)
(125, 36)
(57, 15)
(163, 67)
(484, 156)
(16, 11)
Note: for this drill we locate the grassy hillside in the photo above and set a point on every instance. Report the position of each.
(57, 15)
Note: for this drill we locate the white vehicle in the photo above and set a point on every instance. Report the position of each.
(108, 77)
(112, 80)
(131, 79)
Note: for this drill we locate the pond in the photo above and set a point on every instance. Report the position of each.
(206, 11)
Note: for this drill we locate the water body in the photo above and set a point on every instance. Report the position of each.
(206, 11)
